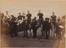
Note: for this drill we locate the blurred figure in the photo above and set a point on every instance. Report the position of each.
(34, 27)
(46, 27)
(40, 21)
(7, 24)
(2, 21)
(29, 15)
(25, 28)
(59, 29)
(20, 20)
(53, 23)
(13, 27)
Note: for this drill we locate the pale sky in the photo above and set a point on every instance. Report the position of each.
(46, 6)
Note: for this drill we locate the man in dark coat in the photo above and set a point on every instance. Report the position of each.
(34, 27)
(46, 27)
(40, 20)
(29, 15)
(25, 28)
(13, 27)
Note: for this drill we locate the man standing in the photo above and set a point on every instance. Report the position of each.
(20, 20)
(40, 20)
(46, 27)
(13, 27)
(53, 23)
(29, 15)
(34, 27)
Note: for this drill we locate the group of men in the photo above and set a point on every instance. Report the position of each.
(24, 23)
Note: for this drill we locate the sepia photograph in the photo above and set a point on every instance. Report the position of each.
(32, 23)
